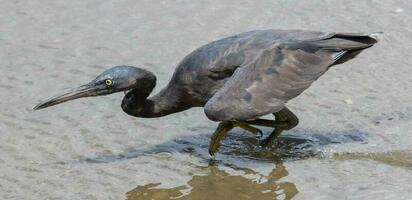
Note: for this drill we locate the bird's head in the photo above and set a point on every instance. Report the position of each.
(116, 79)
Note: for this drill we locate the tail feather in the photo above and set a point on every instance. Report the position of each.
(345, 46)
(347, 41)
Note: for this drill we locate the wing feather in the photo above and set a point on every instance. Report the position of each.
(265, 84)
(262, 84)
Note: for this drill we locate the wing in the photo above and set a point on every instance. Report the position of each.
(264, 84)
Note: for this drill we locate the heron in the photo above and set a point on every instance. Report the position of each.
(237, 80)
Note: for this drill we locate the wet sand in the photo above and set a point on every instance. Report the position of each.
(353, 140)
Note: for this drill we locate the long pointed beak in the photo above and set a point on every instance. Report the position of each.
(87, 90)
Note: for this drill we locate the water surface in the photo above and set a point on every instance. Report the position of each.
(353, 140)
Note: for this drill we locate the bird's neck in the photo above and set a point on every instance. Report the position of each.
(137, 103)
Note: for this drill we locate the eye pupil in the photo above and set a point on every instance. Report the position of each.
(109, 82)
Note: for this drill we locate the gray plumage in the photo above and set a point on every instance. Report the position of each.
(255, 73)
(239, 78)
(236, 79)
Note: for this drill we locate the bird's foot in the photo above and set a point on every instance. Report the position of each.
(223, 128)
(267, 142)
(285, 120)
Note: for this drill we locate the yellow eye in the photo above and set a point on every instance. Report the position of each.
(108, 82)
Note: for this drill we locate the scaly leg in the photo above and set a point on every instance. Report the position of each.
(223, 128)
(281, 117)
(268, 123)
(246, 126)
(284, 120)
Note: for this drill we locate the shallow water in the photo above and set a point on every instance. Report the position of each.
(353, 140)
(218, 184)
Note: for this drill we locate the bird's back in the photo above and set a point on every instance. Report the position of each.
(243, 44)
(205, 71)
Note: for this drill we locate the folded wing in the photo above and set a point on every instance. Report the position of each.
(265, 83)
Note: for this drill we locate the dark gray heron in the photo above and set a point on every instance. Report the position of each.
(236, 79)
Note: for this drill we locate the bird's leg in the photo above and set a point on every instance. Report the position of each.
(283, 116)
(269, 140)
(268, 123)
(246, 126)
(284, 120)
(223, 128)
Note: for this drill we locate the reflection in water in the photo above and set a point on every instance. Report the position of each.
(393, 158)
(218, 184)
